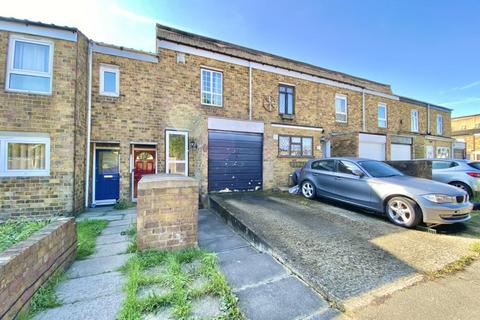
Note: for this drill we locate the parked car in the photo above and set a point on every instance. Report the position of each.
(374, 185)
(463, 174)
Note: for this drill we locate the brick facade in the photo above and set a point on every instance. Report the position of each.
(61, 115)
(467, 129)
(156, 96)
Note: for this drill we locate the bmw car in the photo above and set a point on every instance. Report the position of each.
(374, 185)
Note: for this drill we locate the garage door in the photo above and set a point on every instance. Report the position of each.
(372, 146)
(400, 152)
(234, 161)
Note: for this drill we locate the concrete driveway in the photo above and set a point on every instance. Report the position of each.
(349, 256)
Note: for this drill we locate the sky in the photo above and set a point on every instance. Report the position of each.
(427, 50)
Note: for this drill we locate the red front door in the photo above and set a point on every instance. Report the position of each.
(144, 164)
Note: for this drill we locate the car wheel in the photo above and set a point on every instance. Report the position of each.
(308, 189)
(403, 212)
(462, 186)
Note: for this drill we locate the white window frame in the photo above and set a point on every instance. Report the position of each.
(114, 69)
(15, 137)
(211, 71)
(12, 70)
(414, 124)
(447, 149)
(341, 97)
(167, 149)
(382, 105)
(439, 124)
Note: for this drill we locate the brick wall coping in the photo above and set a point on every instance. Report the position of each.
(165, 181)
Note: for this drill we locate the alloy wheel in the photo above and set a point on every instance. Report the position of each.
(400, 212)
(307, 189)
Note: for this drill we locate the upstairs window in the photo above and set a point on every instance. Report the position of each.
(109, 80)
(291, 146)
(29, 66)
(439, 125)
(286, 99)
(414, 121)
(382, 115)
(477, 126)
(24, 155)
(341, 108)
(212, 87)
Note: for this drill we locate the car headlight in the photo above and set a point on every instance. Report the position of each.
(440, 198)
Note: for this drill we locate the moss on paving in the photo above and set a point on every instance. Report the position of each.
(14, 231)
(178, 278)
(124, 204)
(87, 233)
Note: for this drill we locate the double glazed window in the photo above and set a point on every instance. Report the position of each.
(29, 66)
(292, 146)
(341, 108)
(414, 121)
(211, 87)
(382, 115)
(24, 154)
(439, 125)
(286, 99)
(109, 80)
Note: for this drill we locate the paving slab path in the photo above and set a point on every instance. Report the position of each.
(93, 287)
(266, 290)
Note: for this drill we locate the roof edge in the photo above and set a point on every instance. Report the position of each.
(424, 104)
(258, 52)
(38, 24)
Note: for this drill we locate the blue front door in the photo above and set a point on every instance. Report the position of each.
(107, 177)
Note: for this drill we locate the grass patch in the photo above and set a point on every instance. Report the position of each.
(124, 204)
(44, 298)
(457, 265)
(178, 280)
(14, 231)
(87, 233)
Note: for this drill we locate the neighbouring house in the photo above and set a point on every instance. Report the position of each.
(83, 121)
(466, 131)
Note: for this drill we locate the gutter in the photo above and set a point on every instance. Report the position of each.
(89, 123)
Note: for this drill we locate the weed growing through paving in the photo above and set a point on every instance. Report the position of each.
(87, 233)
(173, 275)
(14, 231)
(124, 204)
(44, 298)
(132, 234)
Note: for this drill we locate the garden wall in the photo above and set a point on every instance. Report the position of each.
(25, 266)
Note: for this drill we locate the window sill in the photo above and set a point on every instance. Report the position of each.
(110, 95)
(211, 105)
(296, 157)
(287, 116)
(24, 174)
(28, 92)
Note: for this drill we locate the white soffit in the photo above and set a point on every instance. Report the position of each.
(292, 126)
(235, 125)
(124, 53)
(38, 30)
(165, 44)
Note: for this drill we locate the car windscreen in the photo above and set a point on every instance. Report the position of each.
(379, 169)
(475, 165)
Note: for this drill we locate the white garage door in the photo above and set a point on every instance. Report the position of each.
(400, 152)
(372, 146)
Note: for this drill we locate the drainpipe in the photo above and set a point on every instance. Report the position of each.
(428, 118)
(250, 90)
(364, 125)
(89, 123)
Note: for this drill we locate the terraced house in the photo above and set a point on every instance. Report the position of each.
(82, 122)
(466, 130)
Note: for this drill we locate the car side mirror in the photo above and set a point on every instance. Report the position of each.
(358, 173)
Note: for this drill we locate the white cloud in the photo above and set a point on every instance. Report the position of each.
(464, 87)
(132, 16)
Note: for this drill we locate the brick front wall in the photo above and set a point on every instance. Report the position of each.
(62, 116)
(28, 264)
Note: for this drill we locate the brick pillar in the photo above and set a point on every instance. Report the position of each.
(167, 212)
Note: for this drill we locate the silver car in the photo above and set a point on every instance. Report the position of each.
(374, 185)
(464, 174)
